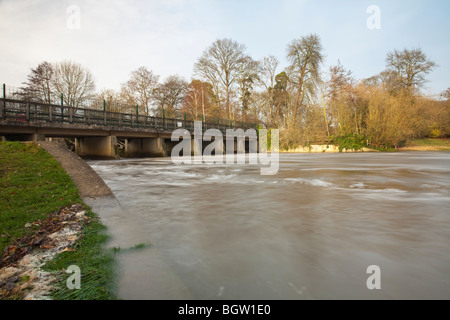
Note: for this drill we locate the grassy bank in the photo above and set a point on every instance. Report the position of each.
(427, 145)
(34, 185)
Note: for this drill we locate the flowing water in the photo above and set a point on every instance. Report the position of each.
(309, 232)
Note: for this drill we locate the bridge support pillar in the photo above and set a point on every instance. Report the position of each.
(37, 137)
(240, 146)
(214, 147)
(145, 147)
(133, 148)
(154, 147)
(197, 147)
(98, 147)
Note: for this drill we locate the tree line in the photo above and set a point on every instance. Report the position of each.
(308, 105)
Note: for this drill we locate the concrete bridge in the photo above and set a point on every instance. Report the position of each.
(100, 133)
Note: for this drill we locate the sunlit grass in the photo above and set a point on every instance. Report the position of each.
(429, 142)
(32, 186)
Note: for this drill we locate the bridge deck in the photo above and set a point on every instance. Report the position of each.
(22, 117)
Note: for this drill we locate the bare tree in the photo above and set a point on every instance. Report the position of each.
(409, 67)
(340, 80)
(446, 94)
(139, 90)
(39, 84)
(269, 66)
(305, 57)
(340, 95)
(249, 76)
(267, 80)
(111, 101)
(75, 82)
(199, 100)
(170, 94)
(220, 65)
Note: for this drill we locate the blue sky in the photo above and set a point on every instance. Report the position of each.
(118, 36)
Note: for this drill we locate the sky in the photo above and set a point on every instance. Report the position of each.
(114, 37)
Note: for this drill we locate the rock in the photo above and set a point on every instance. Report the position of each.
(81, 214)
(7, 273)
(38, 241)
(9, 286)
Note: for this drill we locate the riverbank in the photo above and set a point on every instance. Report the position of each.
(411, 145)
(46, 227)
(427, 145)
(324, 149)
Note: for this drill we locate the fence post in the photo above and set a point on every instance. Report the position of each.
(137, 116)
(104, 112)
(3, 104)
(62, 109)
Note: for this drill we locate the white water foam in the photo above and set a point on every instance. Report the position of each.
(312, 182)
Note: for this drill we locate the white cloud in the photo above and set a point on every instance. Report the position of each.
(115, 37)
(167, 36)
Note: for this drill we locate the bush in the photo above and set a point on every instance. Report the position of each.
(350, 142)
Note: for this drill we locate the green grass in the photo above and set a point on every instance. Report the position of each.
(32, 186)
(135, 247)
(96, 265)
(429, 143)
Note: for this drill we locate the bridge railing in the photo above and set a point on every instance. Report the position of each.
(20, 111)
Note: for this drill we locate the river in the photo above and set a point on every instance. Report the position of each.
(309, 232)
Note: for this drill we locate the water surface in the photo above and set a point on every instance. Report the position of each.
(309, 232)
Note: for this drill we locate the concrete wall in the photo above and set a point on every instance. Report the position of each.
(323, 149)
(315, 149)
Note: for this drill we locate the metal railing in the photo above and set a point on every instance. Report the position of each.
(20, 111)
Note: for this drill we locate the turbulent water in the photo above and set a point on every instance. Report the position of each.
(309, 232)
